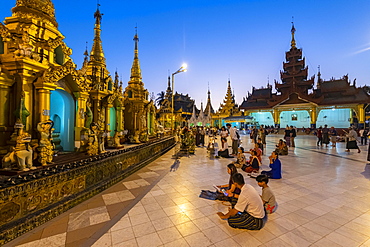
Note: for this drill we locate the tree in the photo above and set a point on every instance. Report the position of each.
(159, 100)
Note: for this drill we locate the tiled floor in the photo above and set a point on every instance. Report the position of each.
(324, 200)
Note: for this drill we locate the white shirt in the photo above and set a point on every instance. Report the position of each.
(250, 201)
(233, 134)
(352, 135)
(224, 133)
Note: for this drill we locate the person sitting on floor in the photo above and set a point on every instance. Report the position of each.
(275, 165)
(258, 152)
(240, 159)
(268, 198)
(231, 190)
(281, 148)
(224, 151)
(253, 165)
(248, 212)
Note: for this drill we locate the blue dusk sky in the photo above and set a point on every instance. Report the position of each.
(245, 40)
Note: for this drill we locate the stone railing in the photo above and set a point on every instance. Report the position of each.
(26, 205)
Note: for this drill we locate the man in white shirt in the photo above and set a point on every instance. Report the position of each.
(249, 212)
(234, 139)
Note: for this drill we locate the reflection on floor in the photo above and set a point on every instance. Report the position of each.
(324, 200)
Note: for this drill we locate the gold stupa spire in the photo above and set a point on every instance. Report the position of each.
(44, 9)
(229, 95)
(135, 69)
(97, 53)
(292, 43)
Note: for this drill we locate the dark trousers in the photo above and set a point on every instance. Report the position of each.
(363, 140)
(319, 141)
(235, 146)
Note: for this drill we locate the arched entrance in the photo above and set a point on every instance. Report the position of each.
(62, 106)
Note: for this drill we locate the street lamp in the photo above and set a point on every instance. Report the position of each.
(181, 69)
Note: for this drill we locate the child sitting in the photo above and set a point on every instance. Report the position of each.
(253, 165)
(268, 198)
(240, 159)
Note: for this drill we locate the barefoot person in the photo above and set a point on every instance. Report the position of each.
(249, 212)
(352, 140)
(275, 166)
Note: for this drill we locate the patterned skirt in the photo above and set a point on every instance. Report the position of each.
(246, 221)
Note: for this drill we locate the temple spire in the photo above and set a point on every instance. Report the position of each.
(318, 77)
(209, 109)
(209, 95)
(293, 43)
(135, 70)
(42, 10)
(97, 53)
(86, 54)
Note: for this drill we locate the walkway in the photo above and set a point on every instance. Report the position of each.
(324, 200)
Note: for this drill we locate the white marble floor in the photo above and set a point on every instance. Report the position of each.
(324, 200)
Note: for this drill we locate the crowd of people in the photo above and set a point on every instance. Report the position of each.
(249, 209)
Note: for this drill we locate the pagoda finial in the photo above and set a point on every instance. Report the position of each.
(116, 79)
(97, 53)
(135, 70)
(86, 54)
(293, 43)
(318, 77)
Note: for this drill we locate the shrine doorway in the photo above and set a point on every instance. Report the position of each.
(62, 105)
(112, 120)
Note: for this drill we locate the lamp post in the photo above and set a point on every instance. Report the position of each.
(181, 69)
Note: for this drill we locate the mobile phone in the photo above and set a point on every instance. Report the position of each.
(224, 192)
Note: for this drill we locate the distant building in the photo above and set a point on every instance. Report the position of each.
(229, 112)
(183, 109)
(297, 102)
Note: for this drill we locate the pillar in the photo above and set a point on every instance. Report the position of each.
(4, 103)
(361, 116)
(119, 118)
(276, 116)
(5, 110)
(313, 116)
(43, 104)
(96, 111)
(351, 116)
(107, 118)
(81, 100)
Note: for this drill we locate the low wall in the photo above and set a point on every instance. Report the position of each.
(29, 204)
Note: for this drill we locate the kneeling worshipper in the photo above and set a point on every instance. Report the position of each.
(275, 166)
(249, 212)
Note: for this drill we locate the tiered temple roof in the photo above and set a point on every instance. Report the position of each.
(295, 87)
(229, 107)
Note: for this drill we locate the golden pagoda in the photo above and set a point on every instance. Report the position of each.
(34, 62)
(104, 103)
(39, 81)
(227, 109)
(139, 111)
